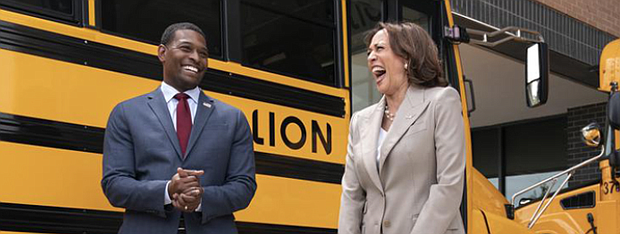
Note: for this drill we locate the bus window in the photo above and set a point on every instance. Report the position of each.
(296, 38)
(363, 16)
(417, 17)
(66, 11)
(146, 20)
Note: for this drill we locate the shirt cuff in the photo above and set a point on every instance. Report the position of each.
(199, 209)
(167, 199)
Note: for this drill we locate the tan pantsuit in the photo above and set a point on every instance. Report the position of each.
(418, 185)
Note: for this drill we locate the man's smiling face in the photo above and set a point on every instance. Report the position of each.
(184, 59)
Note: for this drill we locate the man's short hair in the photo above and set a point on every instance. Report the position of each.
(168, 34)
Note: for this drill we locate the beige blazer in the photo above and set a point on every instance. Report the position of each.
(418, 185)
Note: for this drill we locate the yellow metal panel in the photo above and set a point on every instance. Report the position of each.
(486, 197)
(345, 43)
(294, 202)
(556, 219)
(558, 222)
(339, 128)
(606, 189)
(499, 224)
(91, 12)
(479, 224)
(60, 91)
(62, 178)
(78, 94)
(617, 139)
(607, 217)
(609, 65)
(51, 177)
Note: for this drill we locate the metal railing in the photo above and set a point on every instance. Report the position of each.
(536, 215)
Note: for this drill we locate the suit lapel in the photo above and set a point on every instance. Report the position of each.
(204, 109)
(369, 135)
(158, 105)
(408, 112)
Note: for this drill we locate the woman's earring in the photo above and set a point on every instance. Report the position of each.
(405, 66)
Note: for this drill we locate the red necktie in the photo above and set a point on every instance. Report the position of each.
(184, 121)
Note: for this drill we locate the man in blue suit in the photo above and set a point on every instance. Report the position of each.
(174, 158)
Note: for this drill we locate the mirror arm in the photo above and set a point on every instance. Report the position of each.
(457, 34)
(512, 33)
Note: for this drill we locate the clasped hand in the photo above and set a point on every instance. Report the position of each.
(184, 189)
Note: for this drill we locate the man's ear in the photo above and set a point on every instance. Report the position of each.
(161, 52)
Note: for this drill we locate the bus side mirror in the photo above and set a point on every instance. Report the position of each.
(537, 74)
(591, 135)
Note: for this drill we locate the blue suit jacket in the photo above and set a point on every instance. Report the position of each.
(141, 153)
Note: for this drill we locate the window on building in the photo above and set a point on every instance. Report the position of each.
(295, 38)
(533, 150)
(411, 15)
(66, 11)
(147, 20)
(485, 145)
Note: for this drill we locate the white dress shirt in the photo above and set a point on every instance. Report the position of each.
(172, 102)
(169, 93)
(382, 134)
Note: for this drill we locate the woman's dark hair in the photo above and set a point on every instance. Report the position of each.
(412, 42)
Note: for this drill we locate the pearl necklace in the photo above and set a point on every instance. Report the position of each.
(389, 115)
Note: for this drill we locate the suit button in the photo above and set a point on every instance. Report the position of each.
(387, 224)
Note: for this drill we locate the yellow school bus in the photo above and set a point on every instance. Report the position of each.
(66, 63)
(295, 68)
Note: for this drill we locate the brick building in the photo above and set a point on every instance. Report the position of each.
(515, 146)
(601, 14)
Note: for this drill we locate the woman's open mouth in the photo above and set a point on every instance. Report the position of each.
(379, 73)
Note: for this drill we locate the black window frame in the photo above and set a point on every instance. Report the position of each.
(350, 31)
(350, 48)
(75, 19)
(339, 59)
(437, 21)
(223, 19)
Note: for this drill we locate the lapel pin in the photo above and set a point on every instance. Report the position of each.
(206, 104)
(409, 116)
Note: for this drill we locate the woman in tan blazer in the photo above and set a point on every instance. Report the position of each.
(406, 154)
